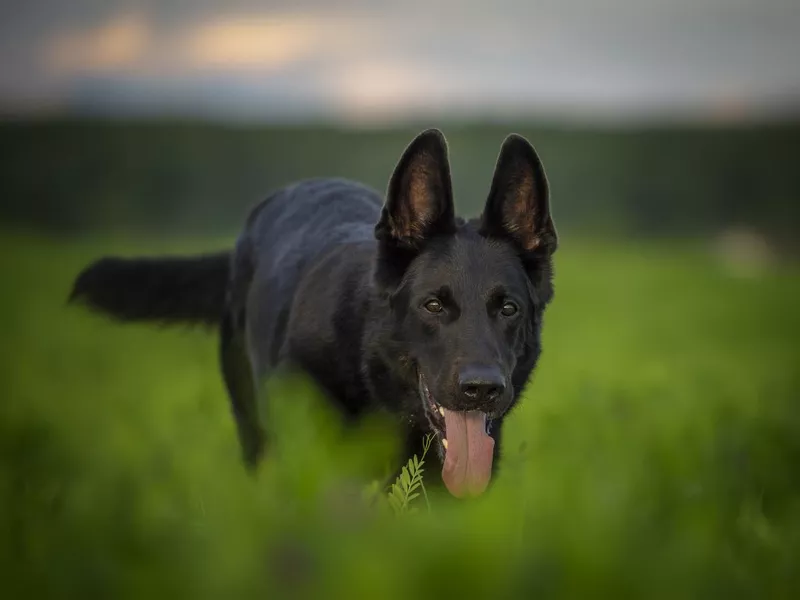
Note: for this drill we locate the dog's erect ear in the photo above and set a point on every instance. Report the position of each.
(419, 200)
(518, 207)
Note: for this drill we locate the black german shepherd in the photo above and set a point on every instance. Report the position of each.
(398, 306)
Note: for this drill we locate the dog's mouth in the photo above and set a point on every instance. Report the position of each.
(468, 448)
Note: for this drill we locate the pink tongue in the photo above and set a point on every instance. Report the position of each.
(468, 457)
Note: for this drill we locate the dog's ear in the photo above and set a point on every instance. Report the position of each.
(419, 200)
(518, 207)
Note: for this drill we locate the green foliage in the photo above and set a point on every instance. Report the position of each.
(654, 456)
(404, 489)
(200, 177)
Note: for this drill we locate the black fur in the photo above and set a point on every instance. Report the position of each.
(374, 298)
(156, 289)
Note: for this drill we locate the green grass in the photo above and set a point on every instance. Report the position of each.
(656, 454)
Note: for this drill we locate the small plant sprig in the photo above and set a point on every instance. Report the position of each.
(405, 489)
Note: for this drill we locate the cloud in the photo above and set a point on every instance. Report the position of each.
(118, 44)
(261, 42)
(377, 89)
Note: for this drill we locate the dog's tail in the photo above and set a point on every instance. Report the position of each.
(166, 290)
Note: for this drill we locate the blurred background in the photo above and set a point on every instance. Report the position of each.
(656, 452)
(652, 117)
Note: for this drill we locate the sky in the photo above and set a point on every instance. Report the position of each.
(360, 62)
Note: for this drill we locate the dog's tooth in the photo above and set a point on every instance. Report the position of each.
(444, 443)
(441, 411)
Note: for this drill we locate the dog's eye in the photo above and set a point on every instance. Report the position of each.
(433, 306)
(509, 309)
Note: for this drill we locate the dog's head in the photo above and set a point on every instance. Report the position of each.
(466, 298)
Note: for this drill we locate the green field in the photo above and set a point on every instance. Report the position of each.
(656, 454)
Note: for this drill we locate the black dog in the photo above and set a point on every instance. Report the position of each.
(398, 306)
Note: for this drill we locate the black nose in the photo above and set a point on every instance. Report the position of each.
(480, 385)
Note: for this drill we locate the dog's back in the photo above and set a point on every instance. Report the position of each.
(295, 224)
(321, 225)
